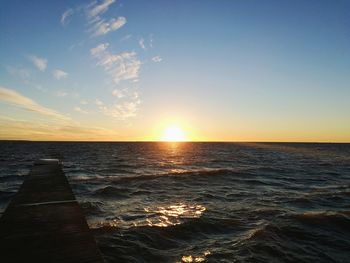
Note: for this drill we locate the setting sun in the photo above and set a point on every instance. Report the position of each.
(173, 133)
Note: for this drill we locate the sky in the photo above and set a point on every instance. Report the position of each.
(226, 70)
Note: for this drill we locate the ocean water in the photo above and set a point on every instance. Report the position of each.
(203, 202)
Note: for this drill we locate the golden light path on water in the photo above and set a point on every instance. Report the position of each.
(171, 215)
(198, 258)
(157, 216)
(161, 216)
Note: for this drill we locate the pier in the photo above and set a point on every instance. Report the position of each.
(44, 222)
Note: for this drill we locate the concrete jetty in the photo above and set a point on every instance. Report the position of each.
(44, 222)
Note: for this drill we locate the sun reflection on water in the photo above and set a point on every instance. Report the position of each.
(157, 216)
(171, 215)
(198, 258)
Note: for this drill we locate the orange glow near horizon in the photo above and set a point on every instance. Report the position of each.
(173, 133)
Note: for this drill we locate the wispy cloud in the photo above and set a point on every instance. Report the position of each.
(118, 93)
(95, 9)
(78, 44)
(80, 110)
(102, 27)
(122, 66)
(142, 43)
(18, 72)
(16, 99)
(124, 38)
(22, 129)
(98, 102)
(98, 25)
(59, 74)
(151, 40)
(121, 111)
(157, 59)
(65, 16)
(40, 63)
(100, 49)
(146, 43)
(26, 76)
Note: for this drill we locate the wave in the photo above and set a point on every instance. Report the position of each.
(188, 228)
(176, 174)
(111, 191)
(336, 219)
(188, 174)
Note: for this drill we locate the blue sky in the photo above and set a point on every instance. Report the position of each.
(222, 70)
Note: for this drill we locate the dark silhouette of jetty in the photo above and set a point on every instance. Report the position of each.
(44, 222)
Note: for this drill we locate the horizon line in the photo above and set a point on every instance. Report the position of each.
(159, 141)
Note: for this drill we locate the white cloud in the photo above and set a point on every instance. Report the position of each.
(97, 51)
(121, 111)
(102, 27)
(59, 74)
(83, 102)
(142, 44)
(97, 25)
(118, 93)
(14, 98)
(65, 16)
(96, 9)
(98, 102)
(117, 23)
(40, 63)
(122, 66)
(80, 110)
(157, 59)
(135, 95)
(125, 67)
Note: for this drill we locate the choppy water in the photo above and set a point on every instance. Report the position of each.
(203, 202)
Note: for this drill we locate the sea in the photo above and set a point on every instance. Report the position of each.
(202, 202)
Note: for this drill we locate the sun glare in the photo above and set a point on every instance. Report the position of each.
(173, 133)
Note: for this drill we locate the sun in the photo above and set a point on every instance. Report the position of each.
(173, 133)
